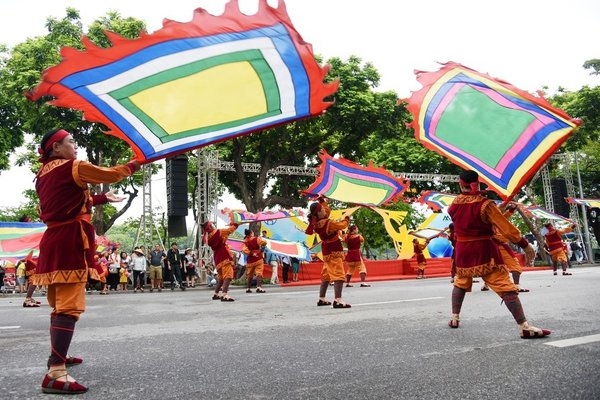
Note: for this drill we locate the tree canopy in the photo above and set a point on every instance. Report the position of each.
(21, 70)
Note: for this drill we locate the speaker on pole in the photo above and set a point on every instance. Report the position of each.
(559, 192)
(177, 194)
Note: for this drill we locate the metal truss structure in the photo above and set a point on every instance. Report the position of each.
(209, 164)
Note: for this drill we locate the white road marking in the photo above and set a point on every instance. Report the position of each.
(396, 301)
(10, 327)
(575, 341)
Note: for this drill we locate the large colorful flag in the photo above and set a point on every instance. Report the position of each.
(543, 214)
(191, 84)
(585, 202)
(244, 217)
(292, 249)
(343, 180)
(19, 239)
(487, 125)
(435, 200)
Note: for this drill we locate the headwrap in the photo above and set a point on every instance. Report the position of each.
(474, 186)
(313, 218)
(55, 138)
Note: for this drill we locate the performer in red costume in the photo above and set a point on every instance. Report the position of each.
(475, 217)
(65, 207)
(555, 247)
(254, 262)
(217, 240)
(421, 260)
(332, 250)
(354, 241)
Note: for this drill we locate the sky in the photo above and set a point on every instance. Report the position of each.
(531, 44)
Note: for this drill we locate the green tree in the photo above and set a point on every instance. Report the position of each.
(21, 71)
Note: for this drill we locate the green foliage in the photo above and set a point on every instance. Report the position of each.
(20, 71)
(27, 206)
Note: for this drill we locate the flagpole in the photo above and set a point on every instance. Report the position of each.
(586, 238)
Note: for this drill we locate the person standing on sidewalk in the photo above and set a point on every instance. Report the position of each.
(157, 256)
(67, 247)
(174, 264)
(138, 266)
(272, 259)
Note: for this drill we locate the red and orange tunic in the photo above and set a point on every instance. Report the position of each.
(555, 244)
(331, 246)
(251, 249)
(65, 207)
(418, 249)
(476, 252)
(217, 240)
(354, 259)
(353, 243)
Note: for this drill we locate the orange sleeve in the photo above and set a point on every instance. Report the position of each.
(333, 226)
(93, 174)
(245, 249)
(566, 230)
(494, 216)
(225, 232)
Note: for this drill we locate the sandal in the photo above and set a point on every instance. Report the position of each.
(323, 303)
(531, 332)
(30, 304)
(365, 285)
(348, 285)
(260, 290)
(567, 273)
(454, 321)
(523, 290)
(216, 297)
(337, 304)
(53, 386)
(248, 290)
(227, 298)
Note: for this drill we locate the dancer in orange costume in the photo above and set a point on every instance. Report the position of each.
(475, 217)
(421, 260)
(65, 206)
(217, 240)
(332, 249)
(254, 264)
(555, 246)
(354, 241)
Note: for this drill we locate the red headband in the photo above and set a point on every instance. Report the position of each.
(57, 137)
(473, 186)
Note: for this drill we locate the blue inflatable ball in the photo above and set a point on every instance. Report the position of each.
(440, 247)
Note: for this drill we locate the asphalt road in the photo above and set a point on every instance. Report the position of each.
(394, 343)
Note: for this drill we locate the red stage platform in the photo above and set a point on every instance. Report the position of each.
(381, 270)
